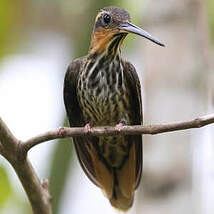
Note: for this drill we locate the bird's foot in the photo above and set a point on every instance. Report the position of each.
(61, 131)
(119, 126)
(87, 128)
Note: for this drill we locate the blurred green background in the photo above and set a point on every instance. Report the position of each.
(39, 38)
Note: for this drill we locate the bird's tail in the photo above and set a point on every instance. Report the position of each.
(121, 201)
(123, 188)
(118, 184)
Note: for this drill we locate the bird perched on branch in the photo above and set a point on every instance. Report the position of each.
(102, 89)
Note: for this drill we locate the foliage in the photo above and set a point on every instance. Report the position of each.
(5, 187)
(7, 22)
(210, 8)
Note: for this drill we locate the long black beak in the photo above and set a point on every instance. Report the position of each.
(130, 28)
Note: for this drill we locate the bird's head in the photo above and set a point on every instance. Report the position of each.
(112, 24)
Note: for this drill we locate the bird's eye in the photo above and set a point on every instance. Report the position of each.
(106, 19)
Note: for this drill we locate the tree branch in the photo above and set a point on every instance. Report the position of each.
(125, 130)
(6, 137)
(16, 152)
(36, 191)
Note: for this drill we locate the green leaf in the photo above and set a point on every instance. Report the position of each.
(5, 187)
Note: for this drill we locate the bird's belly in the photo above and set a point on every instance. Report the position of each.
(108, 109)
(105, 108)
(106, 103)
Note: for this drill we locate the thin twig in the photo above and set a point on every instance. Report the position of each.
(125, 130)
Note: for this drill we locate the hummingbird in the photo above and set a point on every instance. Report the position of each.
(103, 89)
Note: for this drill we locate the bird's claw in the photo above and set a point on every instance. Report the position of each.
(118, 126)
(87, 128)
(61, 131)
